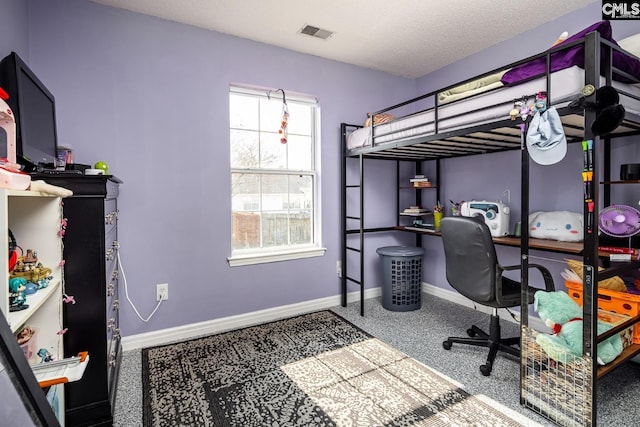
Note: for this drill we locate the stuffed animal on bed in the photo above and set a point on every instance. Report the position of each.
(562, 37)
(379, 119)
(563, 226)
(564, 317)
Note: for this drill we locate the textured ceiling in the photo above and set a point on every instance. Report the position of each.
(408, 38)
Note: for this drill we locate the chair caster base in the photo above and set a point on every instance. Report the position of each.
(447, 345)
(486, 370)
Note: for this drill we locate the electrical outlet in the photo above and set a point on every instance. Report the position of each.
(339, 268)
(162, 291)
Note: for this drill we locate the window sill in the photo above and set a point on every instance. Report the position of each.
(262, 258)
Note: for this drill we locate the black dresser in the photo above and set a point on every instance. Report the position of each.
(91, 277)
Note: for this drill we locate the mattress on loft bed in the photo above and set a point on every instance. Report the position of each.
(566, 85)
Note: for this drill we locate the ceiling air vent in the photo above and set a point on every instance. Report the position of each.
(310, 30)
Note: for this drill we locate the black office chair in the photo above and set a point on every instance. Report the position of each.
(473, 270)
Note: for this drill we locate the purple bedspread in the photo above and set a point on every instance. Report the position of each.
(575, 56)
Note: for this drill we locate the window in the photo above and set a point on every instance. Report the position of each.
(274, 188)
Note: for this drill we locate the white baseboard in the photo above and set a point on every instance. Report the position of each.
(179, 333)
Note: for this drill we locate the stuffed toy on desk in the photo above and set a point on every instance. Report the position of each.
(564, 316)
(563, 226)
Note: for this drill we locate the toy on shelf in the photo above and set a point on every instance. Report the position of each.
(17, 300)
(29, 268)
(30, 288)
(45, 356)
(26, 338)
(563, 226)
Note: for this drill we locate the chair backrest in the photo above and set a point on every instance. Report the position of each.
(471, 261)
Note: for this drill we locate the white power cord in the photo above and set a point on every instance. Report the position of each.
(126, 292)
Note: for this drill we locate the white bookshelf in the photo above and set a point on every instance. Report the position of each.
(35, 220)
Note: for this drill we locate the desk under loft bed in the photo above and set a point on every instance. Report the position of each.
(478, 124)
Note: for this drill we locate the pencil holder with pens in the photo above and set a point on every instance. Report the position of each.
(437, 218)
(438, 213)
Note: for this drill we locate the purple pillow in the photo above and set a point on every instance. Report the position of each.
(575, 56)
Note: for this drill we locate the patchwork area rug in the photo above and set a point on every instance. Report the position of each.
(312, 370)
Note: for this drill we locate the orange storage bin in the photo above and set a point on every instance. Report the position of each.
(613, 301)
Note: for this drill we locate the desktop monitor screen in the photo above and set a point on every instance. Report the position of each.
(33, 106)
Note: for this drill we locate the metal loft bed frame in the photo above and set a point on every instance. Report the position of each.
(500, 135)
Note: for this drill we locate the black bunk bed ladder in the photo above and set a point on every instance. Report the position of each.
(346, 231)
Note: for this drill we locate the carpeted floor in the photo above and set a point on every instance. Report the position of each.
(315, 369)
(419, 334)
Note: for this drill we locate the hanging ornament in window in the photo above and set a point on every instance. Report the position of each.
(285, 119)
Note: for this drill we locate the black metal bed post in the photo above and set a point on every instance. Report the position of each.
(397, 192)
(524, 247)
(361, 160)
(590, 211)
(606, 170)
(524, 227)
(343, 213)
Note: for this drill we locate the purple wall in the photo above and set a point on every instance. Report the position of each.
(14, 27)
(150, 97)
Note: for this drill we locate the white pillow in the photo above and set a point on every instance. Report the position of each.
(563, 226)
(631, 44)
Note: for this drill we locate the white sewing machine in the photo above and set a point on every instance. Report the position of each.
(495, 214)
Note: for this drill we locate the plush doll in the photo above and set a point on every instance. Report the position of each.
(562, 37)
(378, 119)
(564, 226)
(564, 316)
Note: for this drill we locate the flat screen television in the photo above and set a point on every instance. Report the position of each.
(33, 106)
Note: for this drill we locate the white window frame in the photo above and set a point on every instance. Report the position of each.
(241, 257)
